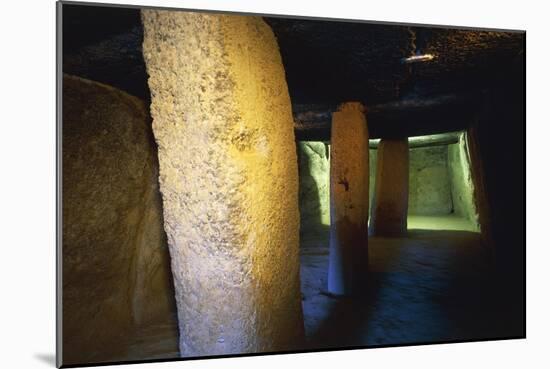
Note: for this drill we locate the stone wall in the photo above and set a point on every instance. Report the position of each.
(314, 168)
(439, 183)
(429, 182)
(116, 269)
(373, 157)
(462, 182)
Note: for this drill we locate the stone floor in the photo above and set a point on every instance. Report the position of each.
(433, 285)
(430, 286)
(442, 223)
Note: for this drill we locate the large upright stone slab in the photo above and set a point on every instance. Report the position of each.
(314, 193)
(115, 261)
(429, 181)
(391, 189)
(229, 180)
(349, 199)
(480, 187)
(462, 179)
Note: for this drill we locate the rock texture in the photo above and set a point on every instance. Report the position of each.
(480, 189)
(330, 62)
(349, 199)
(429, 182)
(462, 182)
(314, 168)
(373, 156)
(353, 61)
(116, 272)
(391, 189)
(229, 180)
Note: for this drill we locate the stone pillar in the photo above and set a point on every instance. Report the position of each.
(229, 180)
(349, 199)
(391, 189)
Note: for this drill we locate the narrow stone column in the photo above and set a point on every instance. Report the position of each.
(349, 199)
(229, 180)
(391, 189)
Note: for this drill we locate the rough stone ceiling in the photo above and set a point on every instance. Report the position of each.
(327, 63)
(330, 61)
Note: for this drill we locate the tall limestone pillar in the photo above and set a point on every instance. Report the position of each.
(391, 189)
(229, 180)
(349, 199)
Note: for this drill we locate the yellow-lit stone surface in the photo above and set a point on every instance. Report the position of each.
(116, 266)
(391, 189)
(349, 198)
(229, 180)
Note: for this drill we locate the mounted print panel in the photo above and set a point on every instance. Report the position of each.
(243, 184)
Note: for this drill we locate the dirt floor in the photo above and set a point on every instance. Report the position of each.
(431, 286)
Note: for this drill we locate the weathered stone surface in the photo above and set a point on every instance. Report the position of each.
(462, 183)
(349, 199)
(480, 189)
(330, 62)
(116, 272)
(429, 182)
(391, 188)
(314, 169)
(373, 156)
(229, 180)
